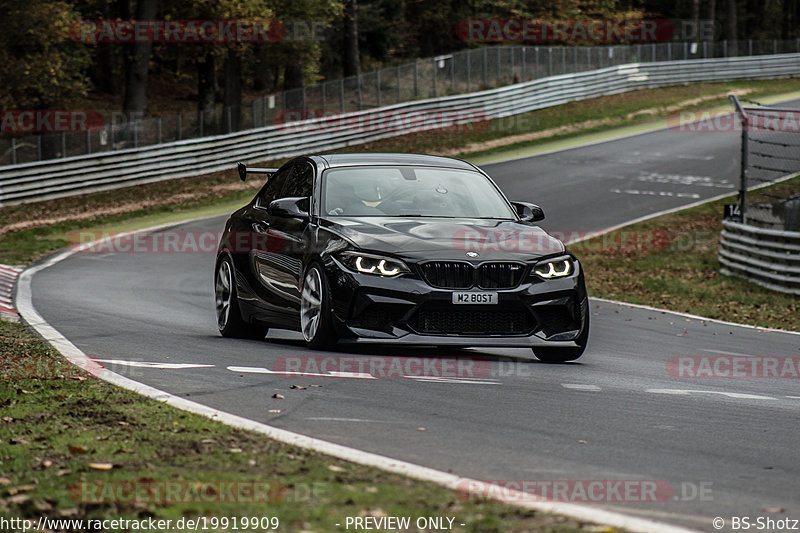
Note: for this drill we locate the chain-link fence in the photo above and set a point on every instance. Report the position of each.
(461, 72)
(770, 150)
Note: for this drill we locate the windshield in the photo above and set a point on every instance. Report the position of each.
(411, 191)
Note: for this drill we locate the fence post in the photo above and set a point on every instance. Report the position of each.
(397, 71)
(469, 67)
(485, 66)
(524, 61)
(511, 62)
(39, 147)
(159, 130)
(200, 120)
(549, 60)
(253, 113)
(360, 106)
(725, 48)
(416, 79)
(136, 134)
(497, 66)
(63, 144)
(88, 141)
(378, 85)
(13, 150)
(341, 93)
(774, 46)
(574, 59)
(743, 159)
(453, 73)
(180, 126)
(324, 96)
(435, 68)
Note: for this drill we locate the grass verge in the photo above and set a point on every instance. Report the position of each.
(671, 262)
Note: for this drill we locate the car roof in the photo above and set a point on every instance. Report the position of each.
(346, 160)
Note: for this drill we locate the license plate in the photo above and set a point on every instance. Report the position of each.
(485, 298)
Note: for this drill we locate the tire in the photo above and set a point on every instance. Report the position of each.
(315, 310)
(226, 305)
(550, 354)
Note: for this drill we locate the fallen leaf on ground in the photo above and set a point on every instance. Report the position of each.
(101, 466)
(76, 449)
(278, 396)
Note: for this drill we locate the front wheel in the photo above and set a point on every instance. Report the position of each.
(551, 354)
(229, 317)
(315, 310)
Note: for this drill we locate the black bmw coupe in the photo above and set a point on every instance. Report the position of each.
(397, 248)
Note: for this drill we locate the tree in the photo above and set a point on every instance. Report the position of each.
(350, 52)
(137, 65)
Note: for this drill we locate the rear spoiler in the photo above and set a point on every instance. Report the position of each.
(244, 171)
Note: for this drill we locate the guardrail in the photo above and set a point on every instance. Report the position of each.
(768, 257)
(36, 181)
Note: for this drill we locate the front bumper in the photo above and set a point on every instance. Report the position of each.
(406, 309)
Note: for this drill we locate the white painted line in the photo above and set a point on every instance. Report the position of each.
(688, 392)
(580, 386)
(335, 419)
(637, 192)
(146, 364)
(696, 157)
(444, 479)
(332, 374)
(723, 352)
(443, 379)
(356, 375)
(794, 397)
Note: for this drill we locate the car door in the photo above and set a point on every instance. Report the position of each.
(280, 264)
(260, 242)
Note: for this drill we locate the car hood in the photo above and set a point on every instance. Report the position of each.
(446, 238)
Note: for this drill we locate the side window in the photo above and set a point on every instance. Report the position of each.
(300, 183)
(272, 189)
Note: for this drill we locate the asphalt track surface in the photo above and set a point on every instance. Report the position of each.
(727, 447)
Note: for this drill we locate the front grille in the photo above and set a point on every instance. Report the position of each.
(480, 322)
(460, 275)
(448, 274)
(500, 275)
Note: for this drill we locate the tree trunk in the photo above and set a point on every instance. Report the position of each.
(232, 99)
(732, 34)
(138, 65)
(350, 57)
(710, 16)
(207, 91)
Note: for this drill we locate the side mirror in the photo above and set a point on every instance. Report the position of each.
(241, 168)
(528, 212)
(295, 207)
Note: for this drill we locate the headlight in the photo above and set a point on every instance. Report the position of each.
(372, 264)
(554, 268)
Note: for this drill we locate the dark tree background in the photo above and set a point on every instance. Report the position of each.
(41, 67)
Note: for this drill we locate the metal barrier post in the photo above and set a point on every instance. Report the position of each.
(743, 161)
